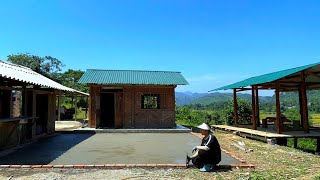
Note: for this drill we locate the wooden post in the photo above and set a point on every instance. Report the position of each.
(34, 114)
(235, 110)
(75, 108)
(257, 107)
(11, 105)
(318, 145)
(24, 101)
(278, 112)
(300, 105)
(254, 120)
(304, 104)
(295, 145)
(87, 109)
(59, 106)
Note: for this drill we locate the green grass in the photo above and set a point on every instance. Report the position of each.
(306, 144)
(266, 114)
(315, 120)
(81, 114)
(184, 123)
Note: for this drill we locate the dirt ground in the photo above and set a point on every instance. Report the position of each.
(272, 162)
(122, 174)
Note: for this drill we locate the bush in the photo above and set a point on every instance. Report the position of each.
(188, 117)
(244, 112)
(292, 113)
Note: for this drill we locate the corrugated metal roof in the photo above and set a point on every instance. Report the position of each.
(266, 78)
(93, 76)
(27, 75)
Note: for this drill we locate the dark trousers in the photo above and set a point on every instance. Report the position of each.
(205, 157)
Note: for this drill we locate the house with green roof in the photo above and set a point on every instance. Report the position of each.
(132, 98)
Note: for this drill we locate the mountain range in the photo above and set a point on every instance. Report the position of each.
(185, 98)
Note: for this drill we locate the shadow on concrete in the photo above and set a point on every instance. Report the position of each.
(45, 150)
(193, 129)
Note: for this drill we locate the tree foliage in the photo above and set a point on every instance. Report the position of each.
(47, 65)
(71, 77)
(193, 117)
(244, 112)
(50, 67)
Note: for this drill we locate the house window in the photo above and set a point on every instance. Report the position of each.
(150, 101)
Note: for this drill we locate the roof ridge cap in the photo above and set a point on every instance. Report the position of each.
(132, 70)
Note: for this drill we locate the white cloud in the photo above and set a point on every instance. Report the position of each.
(206, 77)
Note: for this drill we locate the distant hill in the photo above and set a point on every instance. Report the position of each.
(288, 99)
(184, 98)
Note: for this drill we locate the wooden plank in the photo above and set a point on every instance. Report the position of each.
(155, 118)
(278, 112)
(235, 108)
(119, 110)
(8, 134)
(92, 105)
(267, 134)
(50, 117)
(128, 110)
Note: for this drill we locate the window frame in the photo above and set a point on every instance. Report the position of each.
(157, 101)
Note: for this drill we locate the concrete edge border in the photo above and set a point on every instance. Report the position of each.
(116, 166)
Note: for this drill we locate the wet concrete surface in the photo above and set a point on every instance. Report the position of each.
(104, 148)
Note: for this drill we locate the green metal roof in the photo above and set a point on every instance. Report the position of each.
(266, 78)
(94, 76)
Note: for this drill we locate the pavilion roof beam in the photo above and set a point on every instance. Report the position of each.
(314, 74)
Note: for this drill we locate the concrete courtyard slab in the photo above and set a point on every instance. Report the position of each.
(109, 148)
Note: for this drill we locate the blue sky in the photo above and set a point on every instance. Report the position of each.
(213, 43)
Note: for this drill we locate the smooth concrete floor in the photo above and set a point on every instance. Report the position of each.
(105, 148)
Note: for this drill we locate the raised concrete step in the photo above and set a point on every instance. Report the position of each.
(178, 129)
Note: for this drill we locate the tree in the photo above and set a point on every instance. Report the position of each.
(47, 65)
(70, 79)
(244, 112)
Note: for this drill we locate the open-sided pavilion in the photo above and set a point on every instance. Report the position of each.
(28, 104)
(299, 79)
